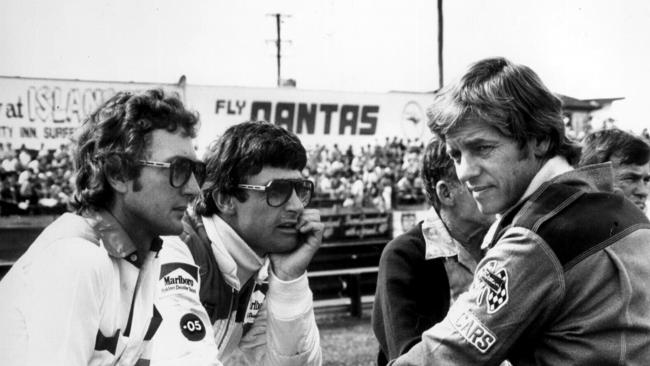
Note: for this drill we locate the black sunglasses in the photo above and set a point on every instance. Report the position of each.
(180, 170)
(278, 191)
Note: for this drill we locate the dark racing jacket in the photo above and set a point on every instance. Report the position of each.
(564, 282)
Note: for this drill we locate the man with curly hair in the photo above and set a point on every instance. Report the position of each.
(83, 293)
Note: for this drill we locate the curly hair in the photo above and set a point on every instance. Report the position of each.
(243, 151)
(115, 136)
(508, 97)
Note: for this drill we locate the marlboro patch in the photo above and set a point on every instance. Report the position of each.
(178, 278)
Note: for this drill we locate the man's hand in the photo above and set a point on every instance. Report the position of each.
(291, 265)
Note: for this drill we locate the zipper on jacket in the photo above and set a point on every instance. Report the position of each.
(232, 301)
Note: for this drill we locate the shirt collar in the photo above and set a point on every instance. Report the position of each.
(117, 242)
(439, 243)
(246, 261)
(436, 237)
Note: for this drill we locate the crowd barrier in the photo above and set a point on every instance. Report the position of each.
(344, 270)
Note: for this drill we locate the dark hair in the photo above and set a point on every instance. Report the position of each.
(436, 166)
(605, 145)
(116, 135)
(508, 97)
(243, 151)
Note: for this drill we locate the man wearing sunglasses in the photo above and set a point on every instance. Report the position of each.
(236, 278)
(83, 293)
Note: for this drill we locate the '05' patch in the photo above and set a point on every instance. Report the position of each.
(477, 334)
(492, 286)
(178, 278)
(192, 327)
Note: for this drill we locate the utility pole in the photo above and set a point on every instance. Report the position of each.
(278, 43)
(440, 42)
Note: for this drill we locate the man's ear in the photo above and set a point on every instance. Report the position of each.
(224, 202)
(445, 193)
(540, 146)
(117, 182)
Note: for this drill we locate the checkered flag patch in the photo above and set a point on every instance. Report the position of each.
(492, 286)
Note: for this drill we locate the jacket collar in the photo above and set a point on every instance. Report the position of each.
(554, 167)
(116, 241)
(592, 178)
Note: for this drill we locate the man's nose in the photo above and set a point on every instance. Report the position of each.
(642, 189)
(466, 169)
(294, 203)
(191, 188)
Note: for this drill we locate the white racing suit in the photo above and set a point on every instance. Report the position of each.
(210, 310)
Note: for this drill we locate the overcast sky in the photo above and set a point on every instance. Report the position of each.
(585, 49)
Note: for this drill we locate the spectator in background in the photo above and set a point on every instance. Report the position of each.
(10, 163)
(83, 292)
(565, 278)
(410, 189)
(630, 157)
(247, 243)
(24, 157)
(424, 270)
(357, 190)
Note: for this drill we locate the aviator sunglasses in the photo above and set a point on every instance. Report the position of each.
(180, 170)
(278, 191)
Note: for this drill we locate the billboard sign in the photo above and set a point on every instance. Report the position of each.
(317, 117)
(44, 113)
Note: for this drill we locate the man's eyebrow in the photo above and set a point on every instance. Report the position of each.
(477, 141)
(633, 175)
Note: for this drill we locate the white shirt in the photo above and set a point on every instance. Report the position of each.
(69, 300)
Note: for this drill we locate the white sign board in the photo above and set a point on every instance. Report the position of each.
(44, 113)
(317, 117)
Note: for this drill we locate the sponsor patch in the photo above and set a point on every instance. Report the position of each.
(477, 334)
(192, 327)
(255, 304)
(178, 278)
(491, 285)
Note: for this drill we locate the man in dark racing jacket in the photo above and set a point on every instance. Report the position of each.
(565, 278)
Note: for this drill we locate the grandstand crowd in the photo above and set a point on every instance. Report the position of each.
(35, 182)
(378, 176)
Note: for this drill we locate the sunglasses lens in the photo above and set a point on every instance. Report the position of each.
(304, 190)
(199, 172)
(279, 192)
(180, 171)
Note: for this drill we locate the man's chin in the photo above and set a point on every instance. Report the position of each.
(286, 246)
(173, 228)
